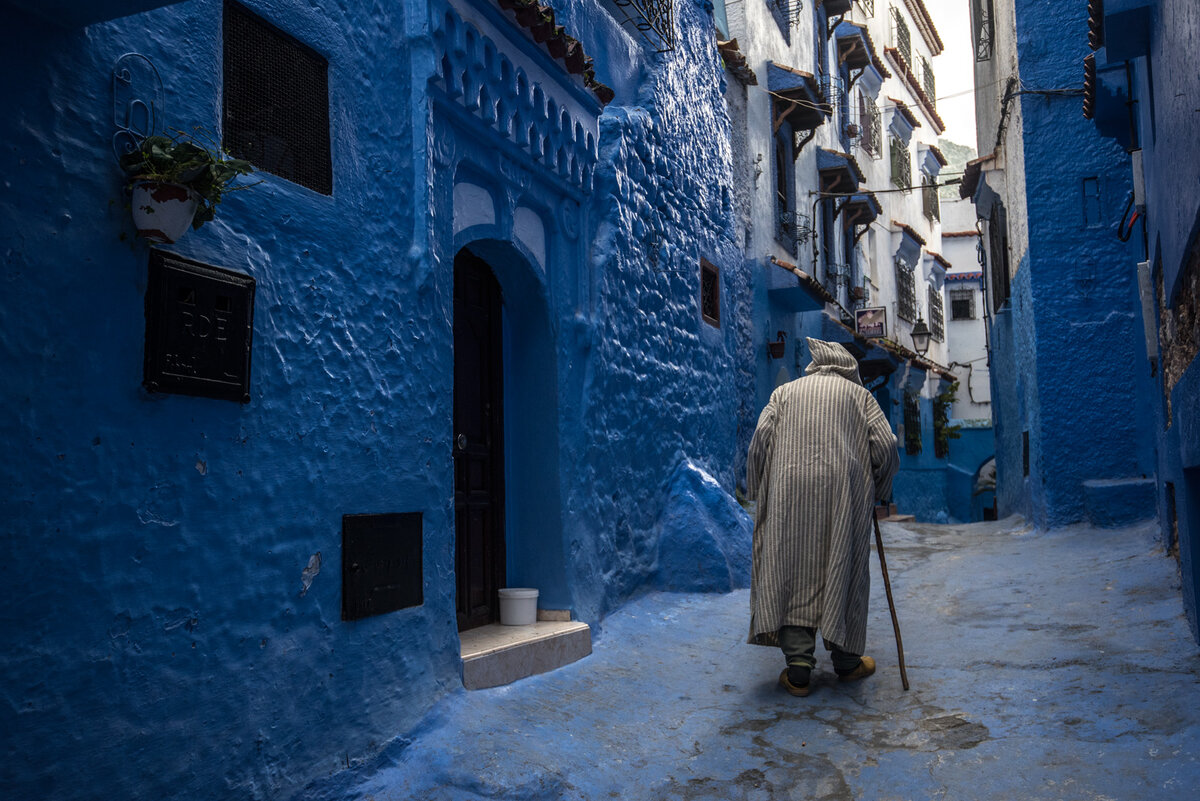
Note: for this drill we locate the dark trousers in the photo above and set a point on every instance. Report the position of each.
(799, 642)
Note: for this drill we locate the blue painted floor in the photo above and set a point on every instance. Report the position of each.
(1043, 666)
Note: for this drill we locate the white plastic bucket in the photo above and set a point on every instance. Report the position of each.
(518, 606)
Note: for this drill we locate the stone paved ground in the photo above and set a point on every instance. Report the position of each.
(1043, 666)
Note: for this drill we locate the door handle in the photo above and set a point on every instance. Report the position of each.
(461, 442)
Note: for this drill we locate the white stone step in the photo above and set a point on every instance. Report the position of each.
(495, 655)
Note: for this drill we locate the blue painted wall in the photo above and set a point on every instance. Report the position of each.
(1149, 50)
(1069, 366)
(157, 621)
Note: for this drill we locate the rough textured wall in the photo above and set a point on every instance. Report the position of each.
(156, 640)
(662, 384)
(1083, 289)
(1016, 407)
(1171, 138)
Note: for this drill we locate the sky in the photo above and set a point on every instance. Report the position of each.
(955, 69)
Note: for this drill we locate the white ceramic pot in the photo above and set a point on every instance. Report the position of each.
(163, 212)
(518, 606)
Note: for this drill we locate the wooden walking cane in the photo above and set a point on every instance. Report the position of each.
(887, 585)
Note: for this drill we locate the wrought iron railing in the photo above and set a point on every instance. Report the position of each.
(982, 18)
(787, 15)
(867, 6)
(937, 316)
(906, 292)
(870, 127)
(930, 203)
(928, 82)
(901, 37)
(912, 423)
(792, 228)
(653, 19)
(901, 164)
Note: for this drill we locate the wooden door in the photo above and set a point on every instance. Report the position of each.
(478, 442)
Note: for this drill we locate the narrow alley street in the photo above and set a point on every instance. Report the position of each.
(1043, 666)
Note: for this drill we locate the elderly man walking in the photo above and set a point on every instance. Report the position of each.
(822, 453)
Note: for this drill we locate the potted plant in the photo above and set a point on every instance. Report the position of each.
(178, 181)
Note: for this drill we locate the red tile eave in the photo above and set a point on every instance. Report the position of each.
(938, 155)
(925, 25)
(807, 279)
(908, 229)
(955, 234)
(940, 259)
(910, 79)
(905, 111)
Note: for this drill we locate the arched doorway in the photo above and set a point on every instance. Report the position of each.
(478, 441)
(508, 520)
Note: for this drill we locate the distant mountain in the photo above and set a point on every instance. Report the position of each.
(957, 157)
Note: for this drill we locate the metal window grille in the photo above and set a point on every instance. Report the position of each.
(981, 18)
(962, 304)
(653, 19)
(867, 6)
(928, 82)
(998, 256)
(937, 315)
(276, 101)
(787, 15)
(710, 293)
(901, 36)
(912, 423)
(901, 166)
(906, 292)
(941, 422)
(929, 198)
(870, 125)
(785, 233)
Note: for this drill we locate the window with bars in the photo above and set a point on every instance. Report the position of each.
(929, 198)
(785, 232)
(981, 23)
(782, 11)
(870, 126)
(937, 315)
(998, 254)
(906, 292)
(901, 164)
(275, 101)
(928, 82)
(867, 6)
(912, 423)
(710, 293)
(962, 304)
(901, 37)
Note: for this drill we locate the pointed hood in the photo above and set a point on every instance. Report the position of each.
(830, 358)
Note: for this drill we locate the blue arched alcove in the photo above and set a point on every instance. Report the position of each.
(533, 522)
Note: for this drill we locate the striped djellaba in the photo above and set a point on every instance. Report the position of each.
(822, 453)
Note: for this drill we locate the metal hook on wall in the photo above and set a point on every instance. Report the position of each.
(138, 100)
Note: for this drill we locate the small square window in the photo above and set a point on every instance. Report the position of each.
(276, 101)
(710, 293)
(962, 304)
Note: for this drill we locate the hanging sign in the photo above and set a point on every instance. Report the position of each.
(871, 322)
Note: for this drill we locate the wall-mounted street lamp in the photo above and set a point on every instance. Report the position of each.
(920, 336)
